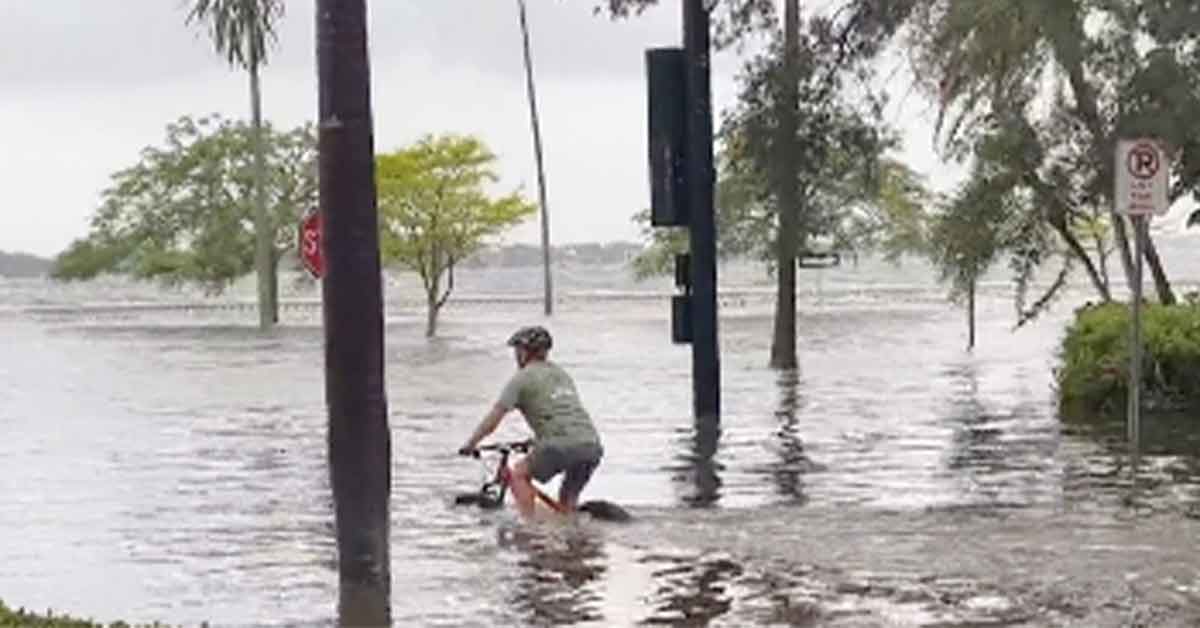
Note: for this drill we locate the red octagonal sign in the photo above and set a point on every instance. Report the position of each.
(310, 244)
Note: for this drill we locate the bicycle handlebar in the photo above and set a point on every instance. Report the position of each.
(519, 446)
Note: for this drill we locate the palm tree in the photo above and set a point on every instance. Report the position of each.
(240, 31)
(537, 150)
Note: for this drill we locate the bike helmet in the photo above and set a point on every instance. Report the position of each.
(534, 338)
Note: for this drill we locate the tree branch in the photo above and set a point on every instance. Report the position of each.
(1043, 302)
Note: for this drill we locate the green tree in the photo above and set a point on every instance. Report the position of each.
(184, 213)
(435, 212)
(965, 238)
(240, 31)
(798, 148)
(1042, 91)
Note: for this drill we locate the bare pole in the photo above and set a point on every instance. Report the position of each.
(547, 296)
(706, 367)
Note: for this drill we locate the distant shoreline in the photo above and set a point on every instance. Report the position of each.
(23, 265)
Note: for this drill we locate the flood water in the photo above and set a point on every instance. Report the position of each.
(169, 464)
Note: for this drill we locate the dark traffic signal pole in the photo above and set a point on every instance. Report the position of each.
(681, 195)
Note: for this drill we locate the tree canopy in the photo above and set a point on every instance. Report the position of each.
(242, 31)
(184, 212)
(1037, 93)
(435, 209)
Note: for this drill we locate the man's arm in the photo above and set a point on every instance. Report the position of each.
(488, 425)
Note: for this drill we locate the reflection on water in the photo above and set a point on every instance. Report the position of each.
(556, 580)
(793, 462)
(690, 592)
(696, 473)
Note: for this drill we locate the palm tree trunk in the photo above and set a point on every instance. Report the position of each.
(537, 151)
(268, 309)
(359, 439)
(783, 346)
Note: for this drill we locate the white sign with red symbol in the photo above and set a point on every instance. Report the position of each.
(1141, 179)
(310, 244)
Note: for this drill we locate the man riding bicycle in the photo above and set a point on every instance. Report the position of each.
(565, 440)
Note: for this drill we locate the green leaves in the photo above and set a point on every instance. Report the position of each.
(1094, 360)
(848, 192)
(434, 207)
(240, 29)
(183, 213)
(1039, 91)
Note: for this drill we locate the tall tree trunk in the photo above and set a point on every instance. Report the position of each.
(268, 309)
(431, 315)
(547, 296)
(971, 312)
(783, 346)
(431, 303)
(359, 439)
(274, 276)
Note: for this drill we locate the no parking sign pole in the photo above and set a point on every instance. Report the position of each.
(1141, 192)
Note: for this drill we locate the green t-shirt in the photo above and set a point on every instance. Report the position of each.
(546, 395)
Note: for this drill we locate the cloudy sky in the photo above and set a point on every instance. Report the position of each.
(86, 84)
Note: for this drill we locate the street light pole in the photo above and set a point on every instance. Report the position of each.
(548, 293)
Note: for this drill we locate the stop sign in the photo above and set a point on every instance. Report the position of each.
(310, 243)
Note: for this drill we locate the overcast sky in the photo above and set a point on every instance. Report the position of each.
(86, 84)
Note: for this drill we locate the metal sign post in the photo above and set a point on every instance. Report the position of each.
(1135, 338)
(1141, 192)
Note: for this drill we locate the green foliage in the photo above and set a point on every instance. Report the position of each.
(1039, 90)
(26, 619)
(184, 212)
(970, 231)
(867, 24)
(743, 225)
(849, 192)
(435, 211)
(733, 20)
(1093, 376)
(663, 243)
(241, 30)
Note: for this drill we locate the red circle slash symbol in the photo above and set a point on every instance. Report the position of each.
(1142, 161)
(310, 244)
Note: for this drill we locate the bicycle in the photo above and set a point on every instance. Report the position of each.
(491, 494)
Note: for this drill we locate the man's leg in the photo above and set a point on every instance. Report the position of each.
(573, 482)
(522, 487)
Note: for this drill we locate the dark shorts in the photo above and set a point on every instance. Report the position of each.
(575, 462)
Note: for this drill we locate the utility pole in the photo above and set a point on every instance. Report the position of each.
(706, 368)
(359, 441)
(548, 295)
